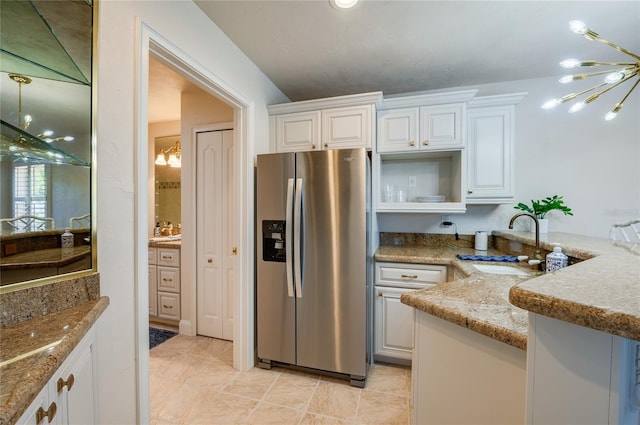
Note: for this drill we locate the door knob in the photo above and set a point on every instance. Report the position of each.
(209, 260)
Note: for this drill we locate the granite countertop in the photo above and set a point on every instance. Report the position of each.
(39, 327)
(601, 290)
(51, 257)
(601, 293)
(479, 301)
(168, 242)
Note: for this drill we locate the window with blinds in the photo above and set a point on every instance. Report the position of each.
(30, 191)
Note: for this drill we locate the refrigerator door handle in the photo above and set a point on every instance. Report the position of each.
(289, 238)
(297, 265)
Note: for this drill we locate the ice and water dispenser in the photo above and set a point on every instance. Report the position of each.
(273, 241)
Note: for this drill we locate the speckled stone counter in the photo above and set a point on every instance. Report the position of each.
(154, 243)
(601, 293)
(40, 327)
(51, 257)
(479, 301)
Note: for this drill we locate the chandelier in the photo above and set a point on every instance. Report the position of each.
(626, 71)
(25, 121)
(174, 153)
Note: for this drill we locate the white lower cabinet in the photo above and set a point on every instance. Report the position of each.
(459, 376)
(164, 283)
(71, 395)
(393, 321)
(393, 324)
(577, 375)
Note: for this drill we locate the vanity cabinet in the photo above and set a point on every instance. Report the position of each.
(164, 283)
(393, 321)
(490, 149)
(421, 128)
(332, 123)
(71, 395)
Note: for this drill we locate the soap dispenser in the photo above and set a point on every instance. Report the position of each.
(66, 239)
(556, 260)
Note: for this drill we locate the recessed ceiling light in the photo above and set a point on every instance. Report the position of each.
(343, 4)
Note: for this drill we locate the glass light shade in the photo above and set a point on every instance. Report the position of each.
(566, 79)
(160, 160)
(28, 119)
(576, 107)
(578, 27)
(614, 77)
(550, 104)
(174, 161)
(69, 138)
(570, 63)
(47, 133)
(610, 115)
(343, 4)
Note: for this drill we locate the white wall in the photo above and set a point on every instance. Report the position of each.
(192, 32)
(593, 163)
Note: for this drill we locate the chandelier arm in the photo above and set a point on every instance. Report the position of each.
(612, 86)
(629, 92)
(572, 96)
(618, 48)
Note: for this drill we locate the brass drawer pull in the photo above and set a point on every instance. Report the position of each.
(313, 145)
(409, 276)
(167, 306)
(167, 257)
(167, 279)
(326, 145)
(68, 383)
(379, 293)
(412, 143)
(50, 413)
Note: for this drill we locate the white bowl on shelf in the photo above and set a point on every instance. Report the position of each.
(429, 198)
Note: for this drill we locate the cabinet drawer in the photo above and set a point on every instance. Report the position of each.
(168, 279)
(409, 275)
(153, 255)
(168, 257)
(169, 305)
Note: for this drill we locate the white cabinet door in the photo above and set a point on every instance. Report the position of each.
(348, 127)
(168, 257)
(490, 155)
(153, 290)
(398, 130)
(75, 388)
(40, 406)
(393, 324)
(298, 131)
(441, 126)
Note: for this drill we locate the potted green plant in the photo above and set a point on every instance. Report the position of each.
(542, 207)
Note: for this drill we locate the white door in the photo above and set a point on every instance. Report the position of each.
(215, 274)
(393, 324)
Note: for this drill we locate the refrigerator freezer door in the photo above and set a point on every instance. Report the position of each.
(331, 312)
(275, 311)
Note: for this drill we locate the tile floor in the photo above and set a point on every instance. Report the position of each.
(193, 382)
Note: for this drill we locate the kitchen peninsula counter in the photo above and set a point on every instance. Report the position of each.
(479, 301)
(599, 291)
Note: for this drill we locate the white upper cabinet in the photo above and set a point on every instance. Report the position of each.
(332, 123)
(490, 149)
(423, 122)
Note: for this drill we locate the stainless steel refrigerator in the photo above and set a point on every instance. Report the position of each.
(312, 261)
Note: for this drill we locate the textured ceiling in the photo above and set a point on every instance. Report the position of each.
(311, 50)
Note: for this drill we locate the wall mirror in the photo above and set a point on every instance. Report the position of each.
(46, 150)
(167, 183)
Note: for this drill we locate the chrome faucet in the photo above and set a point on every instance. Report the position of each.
(538, 254)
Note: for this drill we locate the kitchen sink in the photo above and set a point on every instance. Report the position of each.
(500, 269)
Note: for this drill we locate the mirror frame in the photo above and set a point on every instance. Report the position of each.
(93, 175)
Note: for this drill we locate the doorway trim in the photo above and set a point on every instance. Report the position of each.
(150, 42)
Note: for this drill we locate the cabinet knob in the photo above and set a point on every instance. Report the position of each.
(326, 145)
(209, 260)
(379, 293)
(50, 413)
(412, 143)
(68, 383)
(313, 145)
(425, 143)
(234, 251)
(409, 276)
(469, 191)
